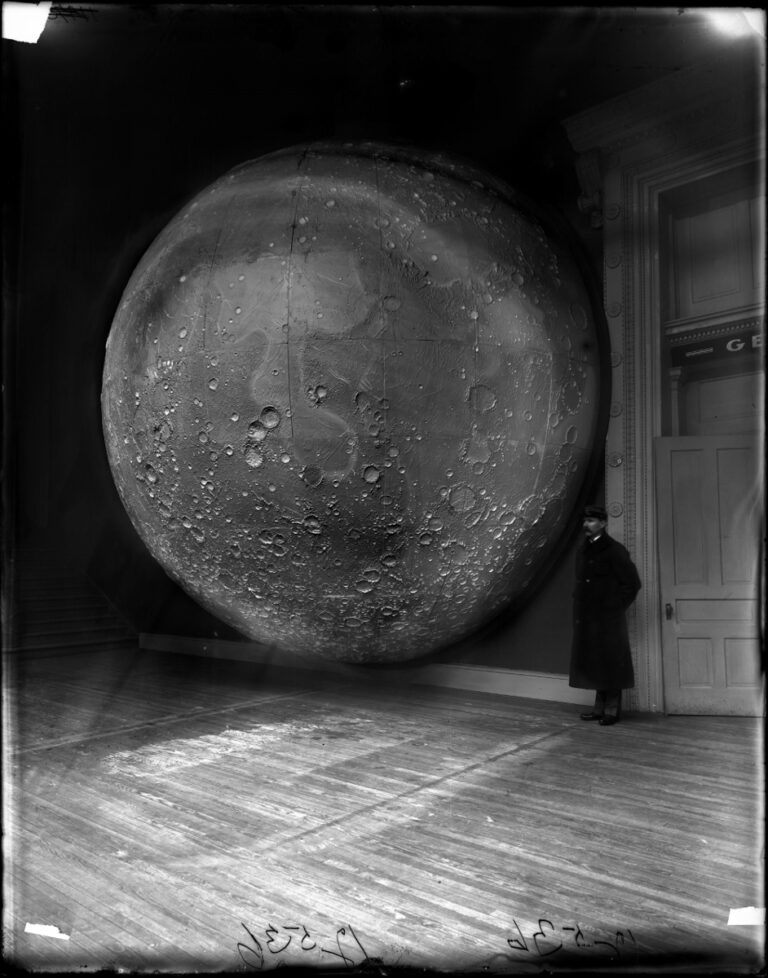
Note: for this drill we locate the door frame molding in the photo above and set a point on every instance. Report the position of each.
(648, 142)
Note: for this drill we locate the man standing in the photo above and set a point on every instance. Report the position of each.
(607, 583)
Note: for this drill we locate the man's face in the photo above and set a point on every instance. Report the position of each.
(593, 527)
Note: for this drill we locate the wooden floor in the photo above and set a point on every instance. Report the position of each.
(178, 814)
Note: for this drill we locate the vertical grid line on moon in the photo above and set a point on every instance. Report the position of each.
(350, 398)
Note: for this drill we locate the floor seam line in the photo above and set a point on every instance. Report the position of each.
(162, 721)
(339, 820)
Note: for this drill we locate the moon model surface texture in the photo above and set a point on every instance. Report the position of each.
(350, 396)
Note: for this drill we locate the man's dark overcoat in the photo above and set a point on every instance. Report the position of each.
(607, 583)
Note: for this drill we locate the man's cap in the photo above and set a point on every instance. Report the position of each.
(595, 512)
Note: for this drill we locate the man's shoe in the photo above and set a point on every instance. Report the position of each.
(608, 721)
(592, 716)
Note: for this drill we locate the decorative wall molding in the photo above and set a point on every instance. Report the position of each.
(696, 100)
(694, 124)
(731, 346)
(590, 181)
(484, 679)
(691, 330)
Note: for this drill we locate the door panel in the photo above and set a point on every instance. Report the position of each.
(721, 405)
(688, 551)
(709, 500)
(694, 662)
(741, 665)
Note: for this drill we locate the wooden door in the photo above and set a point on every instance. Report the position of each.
(710, 519)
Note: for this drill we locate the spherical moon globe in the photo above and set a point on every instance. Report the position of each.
(349, 399)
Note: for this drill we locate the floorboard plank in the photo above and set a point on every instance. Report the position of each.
(167, 812)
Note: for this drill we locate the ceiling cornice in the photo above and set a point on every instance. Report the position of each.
(729, 91)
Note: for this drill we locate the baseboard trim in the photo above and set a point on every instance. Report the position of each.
(505, 682)
(484, 679)
(55, 650)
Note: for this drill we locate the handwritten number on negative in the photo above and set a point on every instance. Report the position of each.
(608, 944)
(621, 940)
(252, 957)
(519, 944)
(578, 936)
(540, 934)
(342, 932)
(273, 945)
(304, 938)
(546, 934)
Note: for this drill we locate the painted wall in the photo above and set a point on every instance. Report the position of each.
(121, 116)
(536, 638)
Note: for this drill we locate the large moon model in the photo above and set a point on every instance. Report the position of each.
(350, 398)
